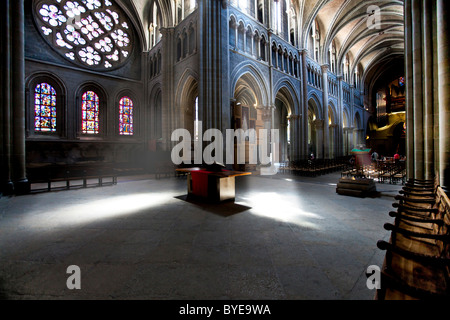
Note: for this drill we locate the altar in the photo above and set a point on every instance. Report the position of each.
(212, 185)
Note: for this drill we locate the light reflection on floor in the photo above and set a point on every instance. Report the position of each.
(92, 211)
(281, 207)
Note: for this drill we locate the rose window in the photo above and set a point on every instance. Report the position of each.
(93, 33)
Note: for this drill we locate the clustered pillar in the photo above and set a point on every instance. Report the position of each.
(443, 29)
(427, 55)
(13, 163)
(326, 134)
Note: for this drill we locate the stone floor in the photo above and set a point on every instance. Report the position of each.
(284, 238)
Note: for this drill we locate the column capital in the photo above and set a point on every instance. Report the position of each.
(295, 117)
(303, 52)
(265, 107)
(224, 4)
(266, 112)
(167, 30)
(318, 123)
(325, 67)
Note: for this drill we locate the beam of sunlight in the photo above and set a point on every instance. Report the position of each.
(88, 211)
(281, 207)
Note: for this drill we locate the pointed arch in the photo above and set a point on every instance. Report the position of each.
(254, 77)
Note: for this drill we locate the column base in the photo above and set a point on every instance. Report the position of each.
(22, 187)
(7, 189)
(445, 181)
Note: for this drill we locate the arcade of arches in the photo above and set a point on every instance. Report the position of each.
(109, 81)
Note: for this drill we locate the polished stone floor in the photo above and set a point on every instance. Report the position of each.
(284, 238)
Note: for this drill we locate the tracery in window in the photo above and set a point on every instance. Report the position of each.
(94, 33)
(44, 108)
(126, 117)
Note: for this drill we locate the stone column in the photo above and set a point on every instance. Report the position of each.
(428, 86)
(236, 35)
(340, 130)
(170, 115)
(351, 143)
(244, 31)
(214, 93)
(296, 136)
(7, 186)
(346, 142)
(326, 139)
(256, 47)
(267, 118)
(21, 184)
(333, 141)
(319, 126)
(303, 73)
(409, 92)
(418, 89)
(443, 54)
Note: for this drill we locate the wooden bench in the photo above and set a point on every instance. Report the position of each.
(417, 259)
(70, 174)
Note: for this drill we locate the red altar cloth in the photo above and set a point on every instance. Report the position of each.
(200, 182)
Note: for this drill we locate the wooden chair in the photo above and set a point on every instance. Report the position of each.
(417, 260)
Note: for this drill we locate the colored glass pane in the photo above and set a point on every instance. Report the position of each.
(90, 113)
(45, 108)
(126, 116)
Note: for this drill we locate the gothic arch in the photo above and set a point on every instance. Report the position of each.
(155, 115)
(255, 78)
(61, 100)
(357, 121)
(186, 95)
(346, 117)
(316, 104)
(103, 106)
(333, 113)
(287, 88)
(136, 110)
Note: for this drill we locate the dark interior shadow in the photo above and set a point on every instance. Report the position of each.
(3, 295)
(224, 209)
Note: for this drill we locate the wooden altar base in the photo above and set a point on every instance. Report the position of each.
(357, 187)
(212, 186)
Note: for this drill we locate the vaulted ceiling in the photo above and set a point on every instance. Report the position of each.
(349, 23)
(370, 32)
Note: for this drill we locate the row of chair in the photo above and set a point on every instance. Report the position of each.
(312, 168)
(417, 259)
(386, 173)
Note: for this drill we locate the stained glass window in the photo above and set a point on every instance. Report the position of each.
(90, 113)
(94, 33)
(126, 117)
(44, 108)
